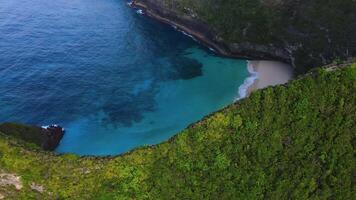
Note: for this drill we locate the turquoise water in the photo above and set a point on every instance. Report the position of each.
(114, 79)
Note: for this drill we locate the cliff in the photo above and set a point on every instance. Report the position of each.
(47, 138)
(305, 34)
(293, 141)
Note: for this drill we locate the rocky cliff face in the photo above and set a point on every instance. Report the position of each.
(48, 138)
(303, 33)
(51, 137)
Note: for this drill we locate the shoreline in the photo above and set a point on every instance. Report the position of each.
(246, 88)
(218, 48)
(264, 74)
(259, 78)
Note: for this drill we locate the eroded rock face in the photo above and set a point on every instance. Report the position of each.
(52, 136)
(10, 180)
(36, 187)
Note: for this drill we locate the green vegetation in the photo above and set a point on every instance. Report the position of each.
(287, 142)
(314, 32)
(31, 134)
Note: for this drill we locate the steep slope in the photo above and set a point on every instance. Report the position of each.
(305, 33)
(295, 141)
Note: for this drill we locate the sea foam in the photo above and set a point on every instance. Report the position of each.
(140, 12)
(249, 81)
(187, 34)
(211, 49)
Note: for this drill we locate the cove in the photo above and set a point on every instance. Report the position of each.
(114, 79)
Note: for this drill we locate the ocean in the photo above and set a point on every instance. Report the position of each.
(112, 77)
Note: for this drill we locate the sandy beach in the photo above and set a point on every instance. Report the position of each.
(268, 73)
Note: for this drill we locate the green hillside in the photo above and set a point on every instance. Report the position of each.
(287, 142)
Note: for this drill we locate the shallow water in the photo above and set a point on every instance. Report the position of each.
(113, 78)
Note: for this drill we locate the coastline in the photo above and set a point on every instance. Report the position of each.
(198, 35)
(249, 84)
(269, 71)
(204, 34)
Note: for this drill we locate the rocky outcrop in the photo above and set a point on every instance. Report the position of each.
(11, 184)
(10, 180)
(48, 137)
(52, 135)
(36, 187)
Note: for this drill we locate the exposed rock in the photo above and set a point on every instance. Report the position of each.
(47, 137)
(38, 188)
(260, 51)
(10, 180)
(52, 136)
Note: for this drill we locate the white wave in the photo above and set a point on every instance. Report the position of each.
(211, 49)
(185, 33)
(243, 89)
(140, 12)
(193, 38)
(52, 125)
(129, 3)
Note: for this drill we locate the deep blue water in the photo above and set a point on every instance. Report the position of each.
(113, 78)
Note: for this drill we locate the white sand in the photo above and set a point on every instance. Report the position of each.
(269, 73)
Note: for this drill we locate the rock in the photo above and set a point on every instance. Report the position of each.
(38, 188)
(10, 179)
(52, 136)
(46, 137)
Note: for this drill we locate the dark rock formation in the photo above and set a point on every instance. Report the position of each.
(52, 135)
(48, 138)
